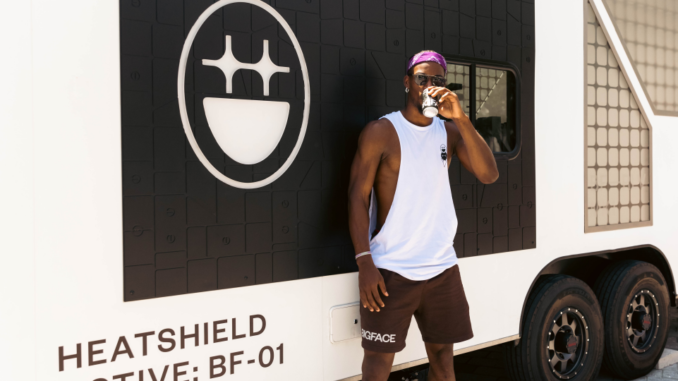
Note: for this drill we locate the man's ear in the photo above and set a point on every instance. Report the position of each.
(406, 81)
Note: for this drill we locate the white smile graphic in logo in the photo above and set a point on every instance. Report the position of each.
(246, 130)
(265, 121)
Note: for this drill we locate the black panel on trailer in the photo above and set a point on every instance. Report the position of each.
(185, 231)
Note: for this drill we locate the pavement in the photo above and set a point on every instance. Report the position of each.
(488, 364)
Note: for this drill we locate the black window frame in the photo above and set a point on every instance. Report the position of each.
(488, 64)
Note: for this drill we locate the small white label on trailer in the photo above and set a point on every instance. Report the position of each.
(345, 322)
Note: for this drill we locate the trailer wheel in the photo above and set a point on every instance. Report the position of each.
(635, 305)
(562, 333)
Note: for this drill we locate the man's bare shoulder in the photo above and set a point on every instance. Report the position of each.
(377, 132)
(378, 128)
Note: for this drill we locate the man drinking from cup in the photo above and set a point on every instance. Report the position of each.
(402, 222)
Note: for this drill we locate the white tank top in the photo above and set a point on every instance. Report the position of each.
(416, 239)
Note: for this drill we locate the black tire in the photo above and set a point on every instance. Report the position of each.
(530, 359)
(631, 353)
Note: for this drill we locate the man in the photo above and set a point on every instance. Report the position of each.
(402, 223)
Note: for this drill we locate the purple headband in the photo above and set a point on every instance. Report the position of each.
(427, 57)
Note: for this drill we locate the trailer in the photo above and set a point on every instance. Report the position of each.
(176, 177)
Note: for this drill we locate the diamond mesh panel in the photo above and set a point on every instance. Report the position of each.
(617, 138)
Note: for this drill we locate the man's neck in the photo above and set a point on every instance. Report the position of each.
(413, 115)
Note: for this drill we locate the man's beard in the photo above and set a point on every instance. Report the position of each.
(420, 107)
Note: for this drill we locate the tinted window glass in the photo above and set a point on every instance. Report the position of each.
(494, 117)
(493, 99)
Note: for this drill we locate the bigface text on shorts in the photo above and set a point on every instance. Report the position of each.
(373, 336)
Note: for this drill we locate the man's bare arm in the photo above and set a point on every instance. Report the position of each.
(474, 153)
(371, 147)
(470, 147)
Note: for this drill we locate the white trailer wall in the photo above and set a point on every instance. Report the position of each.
(60, 141)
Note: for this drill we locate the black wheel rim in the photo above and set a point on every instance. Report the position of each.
(567, 344)
(642, 321)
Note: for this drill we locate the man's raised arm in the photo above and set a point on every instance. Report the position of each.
(371, 146)
(473, 152)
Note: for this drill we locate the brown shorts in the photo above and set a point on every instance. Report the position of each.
(439, 305)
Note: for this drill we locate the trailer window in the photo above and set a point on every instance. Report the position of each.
(492, 98)
(494, 101)
(458, 80)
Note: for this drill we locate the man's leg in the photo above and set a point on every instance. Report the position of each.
(384, 332)
(440, 357)
(377, 366)
(443, 317)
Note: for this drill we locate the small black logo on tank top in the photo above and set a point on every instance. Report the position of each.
(443, 154)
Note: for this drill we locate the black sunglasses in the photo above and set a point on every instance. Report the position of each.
(422, 80)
